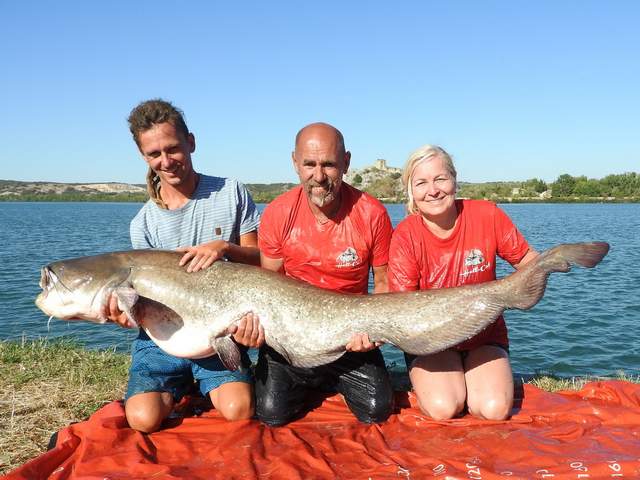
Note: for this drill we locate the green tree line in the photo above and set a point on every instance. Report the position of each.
(76, 197)
(566, 188)
(618, 186)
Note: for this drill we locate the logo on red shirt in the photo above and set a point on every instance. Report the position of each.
(348, 258)
(474, 257)
(476, 261)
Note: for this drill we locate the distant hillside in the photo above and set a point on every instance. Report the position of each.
(380, 180)
(265, 192)
(11, 190)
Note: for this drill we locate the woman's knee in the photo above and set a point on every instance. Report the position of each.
(441, 408)
(493, 408)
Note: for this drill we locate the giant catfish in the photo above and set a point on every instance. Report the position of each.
(188, 314)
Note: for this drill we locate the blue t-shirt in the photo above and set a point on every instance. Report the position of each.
(219, 209)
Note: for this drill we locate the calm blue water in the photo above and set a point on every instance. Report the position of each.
(587, 323)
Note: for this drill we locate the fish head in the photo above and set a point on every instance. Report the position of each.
(77, 289)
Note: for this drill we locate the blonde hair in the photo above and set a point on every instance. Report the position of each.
(424, 154)
(153, 188)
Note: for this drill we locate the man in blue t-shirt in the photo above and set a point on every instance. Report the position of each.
(208, 219)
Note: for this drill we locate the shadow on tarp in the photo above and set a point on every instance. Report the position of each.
(591, 433)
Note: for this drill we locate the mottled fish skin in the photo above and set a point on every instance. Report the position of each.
(186, 314)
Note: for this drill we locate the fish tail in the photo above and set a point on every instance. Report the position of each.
(525, 287)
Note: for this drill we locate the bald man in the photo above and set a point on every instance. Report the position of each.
(329, 234)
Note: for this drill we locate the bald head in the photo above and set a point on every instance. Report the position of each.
(321, 133)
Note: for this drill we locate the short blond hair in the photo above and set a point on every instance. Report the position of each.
(424, 154)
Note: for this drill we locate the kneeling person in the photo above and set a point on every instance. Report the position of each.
(208, 218)
(329, 234)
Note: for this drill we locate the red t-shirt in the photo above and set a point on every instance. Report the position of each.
(419, 260)
(335, 255)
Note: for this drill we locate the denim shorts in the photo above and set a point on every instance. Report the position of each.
(153, 370)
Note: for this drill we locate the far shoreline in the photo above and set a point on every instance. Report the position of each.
(126, 199)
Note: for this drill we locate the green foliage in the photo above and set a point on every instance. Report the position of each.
(626, 185)
(490, 190)
(563, 186)
(385, 188)
(266, 192)
(535, 185)
(72, 195)
(587, 187)
(616, 187)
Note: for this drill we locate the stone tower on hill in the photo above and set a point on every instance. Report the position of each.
(381, 164)
(379, 179)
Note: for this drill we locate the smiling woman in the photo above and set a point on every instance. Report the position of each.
(431, 187)
(448, 243)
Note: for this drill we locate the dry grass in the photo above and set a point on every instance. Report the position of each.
(552, 383)
(45, 386)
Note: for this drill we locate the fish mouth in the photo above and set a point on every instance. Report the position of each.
(50, 281)
(52, 286)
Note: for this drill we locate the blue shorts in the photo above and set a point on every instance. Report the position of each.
(153, 370)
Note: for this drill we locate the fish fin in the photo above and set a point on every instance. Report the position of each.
(525, 287)
(127, 299)
(228, 352)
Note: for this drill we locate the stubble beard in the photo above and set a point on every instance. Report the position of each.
(325, 198)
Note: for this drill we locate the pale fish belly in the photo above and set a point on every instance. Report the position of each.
(184, 343)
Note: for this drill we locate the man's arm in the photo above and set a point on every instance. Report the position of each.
(202, 256)
(380, 282)
(273, 264)
(530, 255)
(247, 252)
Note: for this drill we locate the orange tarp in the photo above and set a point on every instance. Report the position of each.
(590, 434)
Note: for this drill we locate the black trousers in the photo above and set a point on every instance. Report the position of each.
(282, 389)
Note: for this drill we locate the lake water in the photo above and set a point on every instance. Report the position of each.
(587, 323)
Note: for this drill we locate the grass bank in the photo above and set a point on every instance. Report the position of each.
(47, 385)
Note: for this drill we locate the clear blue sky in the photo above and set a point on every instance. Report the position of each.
(513, 90)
